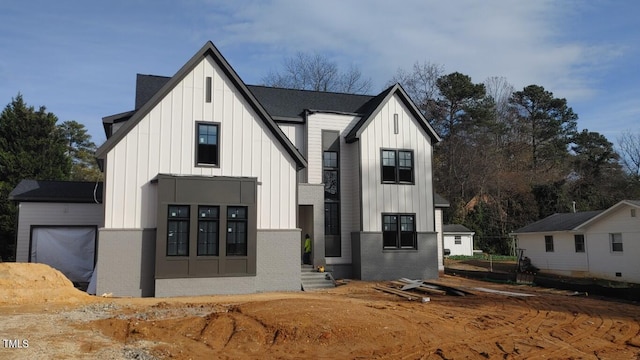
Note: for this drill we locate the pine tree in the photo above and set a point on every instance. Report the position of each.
(81, 150)
(31, 147)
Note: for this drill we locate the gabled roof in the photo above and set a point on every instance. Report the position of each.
(602, 214)
(559, 222)
(147, 86)
(573, 221)
(291, 104)
(455, 228)
(207, 50)
(284, 105)
(378, 103)
(57, 191)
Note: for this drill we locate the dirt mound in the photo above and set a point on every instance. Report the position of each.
(31, 283)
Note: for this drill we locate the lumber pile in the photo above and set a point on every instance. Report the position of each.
(410, 289)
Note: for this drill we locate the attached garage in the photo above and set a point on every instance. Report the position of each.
(58, 224)
(70, 249)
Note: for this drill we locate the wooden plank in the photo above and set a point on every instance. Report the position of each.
(407, 295)
(421, 288)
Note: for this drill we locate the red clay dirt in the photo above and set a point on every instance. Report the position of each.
(352, 321)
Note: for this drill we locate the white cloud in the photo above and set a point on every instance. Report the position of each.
(517, 40)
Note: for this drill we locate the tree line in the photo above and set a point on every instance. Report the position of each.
(34, 146)
(508, 157)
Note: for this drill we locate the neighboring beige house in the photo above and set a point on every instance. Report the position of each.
(211, 185)
(458, 240)
(599, 244)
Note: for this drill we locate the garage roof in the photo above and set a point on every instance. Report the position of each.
(57, 191)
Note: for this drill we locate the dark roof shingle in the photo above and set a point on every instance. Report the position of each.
(559, 222)
(455, 228)
(57, 191)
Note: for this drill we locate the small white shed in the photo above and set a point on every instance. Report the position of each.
(458, 240)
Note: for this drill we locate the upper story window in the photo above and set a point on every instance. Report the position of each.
(397, 166)
(208, 152)
(330, 173)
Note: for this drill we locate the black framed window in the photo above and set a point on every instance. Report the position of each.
(578, 239)
(389, 230)
(405, 166)
(616, 242)
(330, 159)
(330, 174)
(398, 231)
(237, 231)
(178, 230)
(331, 181)
(208, 144)
(397, 166)
(331, 218)
(208, 230)
(548, 243)
(389, 166)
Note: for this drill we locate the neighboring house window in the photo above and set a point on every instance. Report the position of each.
(178, 230)
(397, 166)
(616, 242)
(208, 152)
(633, 212)
(237, 231)
(208, 230)
(398, 231)
(457, 240)
(579, 241)
(548, 243)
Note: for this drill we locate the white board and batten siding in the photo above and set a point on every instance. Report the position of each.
(605, 263)
(163, 142)
(53, 214)
(349, 177)
(394, 198)
(296, 134)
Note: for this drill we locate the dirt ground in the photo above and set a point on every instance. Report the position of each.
(43, 317)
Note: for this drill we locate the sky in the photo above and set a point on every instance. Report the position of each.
(80, 58)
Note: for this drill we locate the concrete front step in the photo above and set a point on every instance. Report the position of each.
(312, 279)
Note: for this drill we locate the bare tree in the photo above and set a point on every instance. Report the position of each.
(316, 72)
(420, 83)
(500, 90)
(629, 150)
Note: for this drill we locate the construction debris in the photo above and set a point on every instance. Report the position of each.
(415, 289)
(405, 294)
